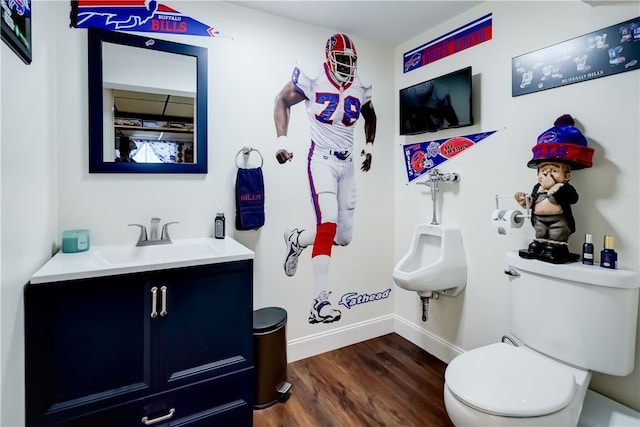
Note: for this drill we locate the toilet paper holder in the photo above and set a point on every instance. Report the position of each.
(527, 206)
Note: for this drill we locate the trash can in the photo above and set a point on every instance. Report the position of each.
(270, 356)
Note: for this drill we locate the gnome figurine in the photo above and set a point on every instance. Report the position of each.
(559, 150)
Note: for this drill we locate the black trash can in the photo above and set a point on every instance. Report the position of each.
(270, 356)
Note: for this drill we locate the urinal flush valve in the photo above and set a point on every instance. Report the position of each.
(434, 177)
(425, 305)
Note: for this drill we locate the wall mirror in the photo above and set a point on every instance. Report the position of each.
(147, 105)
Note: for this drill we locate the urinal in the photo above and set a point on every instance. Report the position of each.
(435, 262)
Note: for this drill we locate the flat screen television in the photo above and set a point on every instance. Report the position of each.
(440, 103)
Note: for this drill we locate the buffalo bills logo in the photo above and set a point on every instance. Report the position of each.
(547, 137)
(331, 43)
(413, 61)
(115, 16)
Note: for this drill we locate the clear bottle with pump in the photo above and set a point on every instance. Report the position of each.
(219, 225)
(587, 250)
(608, 256)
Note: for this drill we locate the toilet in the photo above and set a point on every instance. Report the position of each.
(567, 320)
(435, 262)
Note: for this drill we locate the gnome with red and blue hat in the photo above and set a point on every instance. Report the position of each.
(558, 151)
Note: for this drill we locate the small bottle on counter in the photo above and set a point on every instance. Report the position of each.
(587, 250)
(219, 225)
(608, 256)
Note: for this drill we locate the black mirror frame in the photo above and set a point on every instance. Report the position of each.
(96, 162)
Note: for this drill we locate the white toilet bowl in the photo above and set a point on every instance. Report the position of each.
(435, 262)
(504, 385)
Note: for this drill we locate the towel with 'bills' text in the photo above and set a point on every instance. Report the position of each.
(249, 199)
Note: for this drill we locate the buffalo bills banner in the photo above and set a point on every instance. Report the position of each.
(136, 15)
(464, 37)
(612, 50)
(421, 157)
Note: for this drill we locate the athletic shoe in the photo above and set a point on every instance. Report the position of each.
(321, 311)
(293, 251)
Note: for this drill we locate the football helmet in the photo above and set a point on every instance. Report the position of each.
(341, 57)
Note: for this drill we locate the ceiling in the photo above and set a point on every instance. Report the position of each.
(169, 113)
(392, 22)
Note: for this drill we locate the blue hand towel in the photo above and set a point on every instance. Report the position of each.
(249, 199)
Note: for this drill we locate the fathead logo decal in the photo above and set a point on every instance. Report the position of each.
(351, 299)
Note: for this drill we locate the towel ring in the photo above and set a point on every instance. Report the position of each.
(246, 151)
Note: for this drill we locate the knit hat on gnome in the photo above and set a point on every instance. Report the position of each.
(563, 143)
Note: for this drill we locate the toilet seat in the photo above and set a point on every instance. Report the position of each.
(504, 380)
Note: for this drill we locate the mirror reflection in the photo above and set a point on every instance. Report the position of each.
(152, 104)
(152, 128)
(147, 105)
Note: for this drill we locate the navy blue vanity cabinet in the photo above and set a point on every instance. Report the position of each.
(170, 347)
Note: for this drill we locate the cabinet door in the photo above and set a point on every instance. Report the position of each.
(208, 328)
(199, 405)
(87, 346)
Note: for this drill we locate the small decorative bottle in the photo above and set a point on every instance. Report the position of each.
(608, 256)
(587, 250)
(219, 225)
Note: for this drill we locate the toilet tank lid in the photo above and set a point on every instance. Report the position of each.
(504, 380)
(576, 272)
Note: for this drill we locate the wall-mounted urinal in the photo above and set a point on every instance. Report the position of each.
(435, 262)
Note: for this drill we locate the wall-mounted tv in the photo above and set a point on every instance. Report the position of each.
(440, 103)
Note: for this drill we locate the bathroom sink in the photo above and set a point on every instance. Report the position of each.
(111, 260)
(178, 250)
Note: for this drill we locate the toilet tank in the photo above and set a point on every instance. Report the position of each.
(584, 315)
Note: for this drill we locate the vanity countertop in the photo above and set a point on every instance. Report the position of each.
(110, 260)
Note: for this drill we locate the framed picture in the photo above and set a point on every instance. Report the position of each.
(16, 27)
(602, 53)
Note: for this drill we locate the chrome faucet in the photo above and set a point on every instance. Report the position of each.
(153, 238)
(154, 230)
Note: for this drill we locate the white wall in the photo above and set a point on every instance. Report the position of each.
(29, 214)
(607, 111)
(46, 187)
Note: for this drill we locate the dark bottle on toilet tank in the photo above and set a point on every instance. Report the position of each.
(587, 250)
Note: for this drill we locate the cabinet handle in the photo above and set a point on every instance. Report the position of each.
(148, 421)
(163, 312)
(154, 302)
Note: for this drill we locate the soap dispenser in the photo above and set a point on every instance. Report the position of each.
(219, 225)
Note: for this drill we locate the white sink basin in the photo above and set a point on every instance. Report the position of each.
(110, 260)
(176, 251)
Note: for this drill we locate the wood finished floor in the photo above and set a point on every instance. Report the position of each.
(386, 381)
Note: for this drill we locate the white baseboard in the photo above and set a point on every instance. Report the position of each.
(427, 341)
(319, 343)
(322, 342)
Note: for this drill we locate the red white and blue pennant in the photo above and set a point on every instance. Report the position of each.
(136, 15)
(421, 157)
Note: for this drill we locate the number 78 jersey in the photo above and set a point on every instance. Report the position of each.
(333, 110)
